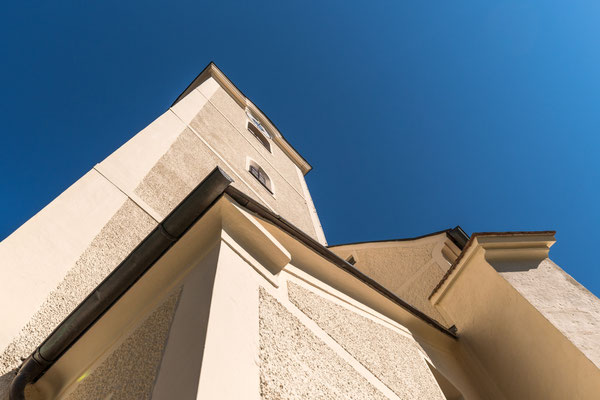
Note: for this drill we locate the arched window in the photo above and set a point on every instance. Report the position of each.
(260, 176)
(259, 135)
(258, 124)
(258, 130)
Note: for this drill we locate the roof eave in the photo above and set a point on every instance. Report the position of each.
(211, 70)
(488, 239)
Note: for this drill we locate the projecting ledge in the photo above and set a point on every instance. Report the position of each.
(503, 251)
(245, 235)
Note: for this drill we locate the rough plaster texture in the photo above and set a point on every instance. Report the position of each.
(280, 160)
(115, 241)
(129, 372)
(230, 108)
(410, 272)
(393, 265)
(525, 356)
(128, 165)
(36, 257)
(295, 364)
(390, 356)
(185, 164)
(568, 305)
(418, 290)
(211, 125)
(176, 173)
(189, 160)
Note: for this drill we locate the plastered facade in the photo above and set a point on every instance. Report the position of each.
(392, 357)
(409, 268)
(279, 351)
(568, 305)
(536, 359)
(114, 242)
(63, 252)
(242, 297)
(301, 331)
(137, 358)
(295, 364)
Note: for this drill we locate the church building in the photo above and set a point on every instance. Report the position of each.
(191, 264)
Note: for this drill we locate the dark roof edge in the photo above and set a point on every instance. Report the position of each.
(470, 243)
(191, 86)
(458, 236)
(389, 240)
(118, 282)
(254, 206)
(149, 251)
(195, 84)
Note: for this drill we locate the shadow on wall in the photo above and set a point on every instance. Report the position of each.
(450, 391)
(5, 381)
(179, 371)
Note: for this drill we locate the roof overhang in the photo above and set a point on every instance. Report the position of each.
(504, 251)
(212, 71)
(213, 211)
(457, 235)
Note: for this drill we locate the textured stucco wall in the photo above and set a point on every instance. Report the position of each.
(92, 226)
(235, 145)
(569, 306)
(295, 364)
(517, 346)
(114, 242)
(394, 264)
(407, 270)
(129, 371)
(177, 172)
(36, 257)
(278, 159)
(165, 161)
(390, 356)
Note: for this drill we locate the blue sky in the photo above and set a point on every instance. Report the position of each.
(415, 117)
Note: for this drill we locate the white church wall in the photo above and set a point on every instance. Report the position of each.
(239, 333)
(65, 250)
(129, 371)
(236, 144)
(55, 259)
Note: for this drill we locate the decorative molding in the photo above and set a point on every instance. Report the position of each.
(504, 251)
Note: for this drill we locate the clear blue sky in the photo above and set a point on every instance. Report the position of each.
(416, 116)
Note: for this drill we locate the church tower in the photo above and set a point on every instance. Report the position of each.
(63, 252)
(190, 263)
(213, 124)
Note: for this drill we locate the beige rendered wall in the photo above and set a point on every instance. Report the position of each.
(524, 353)
(278, 336)
(393, 357)
(129, 371)
(408, 268)
(160, 165)
(64, 251)
(445, 354)
(568, 305)
(51, 263)
(220, 123)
